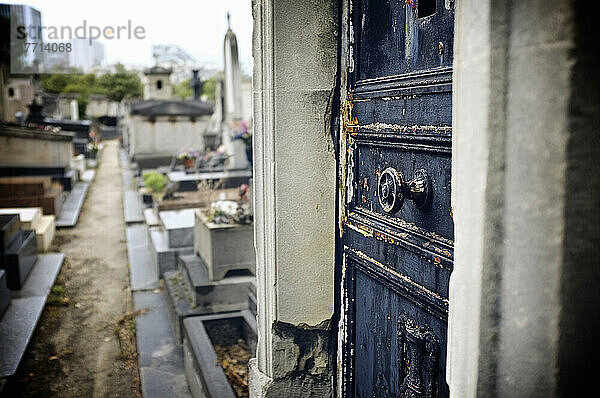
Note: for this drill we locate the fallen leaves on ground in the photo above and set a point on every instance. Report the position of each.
(234, 361)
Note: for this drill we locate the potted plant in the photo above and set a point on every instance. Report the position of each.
(188, 157)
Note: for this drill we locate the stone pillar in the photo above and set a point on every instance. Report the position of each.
(295, 58)
(525, 291)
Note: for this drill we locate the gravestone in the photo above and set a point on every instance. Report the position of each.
(9, 229)
(18, 250)
(4, 293)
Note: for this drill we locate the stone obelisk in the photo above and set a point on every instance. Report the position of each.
(233, 123)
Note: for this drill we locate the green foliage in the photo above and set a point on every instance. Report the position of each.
(155, 181)
(208, 88)
(121, 84)
(183, 89)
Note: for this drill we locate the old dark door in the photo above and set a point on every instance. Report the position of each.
(397, 228)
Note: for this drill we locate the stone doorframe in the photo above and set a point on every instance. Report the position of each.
(525, 292)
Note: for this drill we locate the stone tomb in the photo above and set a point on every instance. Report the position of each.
(18, 252)
(223, 247)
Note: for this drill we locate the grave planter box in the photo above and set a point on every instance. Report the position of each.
(4, 293)
(223, 247)
(19, 258)
(205, 376)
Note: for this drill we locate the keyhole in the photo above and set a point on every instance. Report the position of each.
(426, 8)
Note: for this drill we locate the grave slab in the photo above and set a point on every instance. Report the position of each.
(42, 276)
(16, 327)
(160, 358)
(166, 257)
(142, 262)
(223, 247)
(72, 207)
(19, 322)
(179, 225)
(132, 207)
(19, 258)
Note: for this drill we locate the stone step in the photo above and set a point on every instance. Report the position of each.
(142, 262)
(166, 257)
(227, 294)
(4, 293)
(132, 207)
(179, 225)
(10, 226)
(44, 233)
(72, 207)
(29, 216)
(223, 247)
(160, 358)
(19, 258)
(204, 374)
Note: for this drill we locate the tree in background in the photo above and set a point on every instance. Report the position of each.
(122, 84)
(184, 90)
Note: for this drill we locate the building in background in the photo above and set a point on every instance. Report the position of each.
(86, 56)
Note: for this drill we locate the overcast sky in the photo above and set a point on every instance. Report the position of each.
(198, 26)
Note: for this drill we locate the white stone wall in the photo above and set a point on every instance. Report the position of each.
(166, 135)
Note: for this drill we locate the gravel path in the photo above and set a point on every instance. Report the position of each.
(85, 342)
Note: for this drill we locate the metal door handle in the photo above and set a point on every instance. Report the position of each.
(392, 189)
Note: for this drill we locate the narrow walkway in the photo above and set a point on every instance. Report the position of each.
(85, 342)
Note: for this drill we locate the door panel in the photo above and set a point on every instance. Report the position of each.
(394, 40)
(398, 230)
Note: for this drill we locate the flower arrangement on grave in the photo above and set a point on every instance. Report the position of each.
(241, 132)
(230, 211)
(188, 157)
(92, 146)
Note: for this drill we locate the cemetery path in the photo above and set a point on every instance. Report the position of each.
(85, 343)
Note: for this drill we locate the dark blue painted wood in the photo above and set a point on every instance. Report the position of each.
(398, 264)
